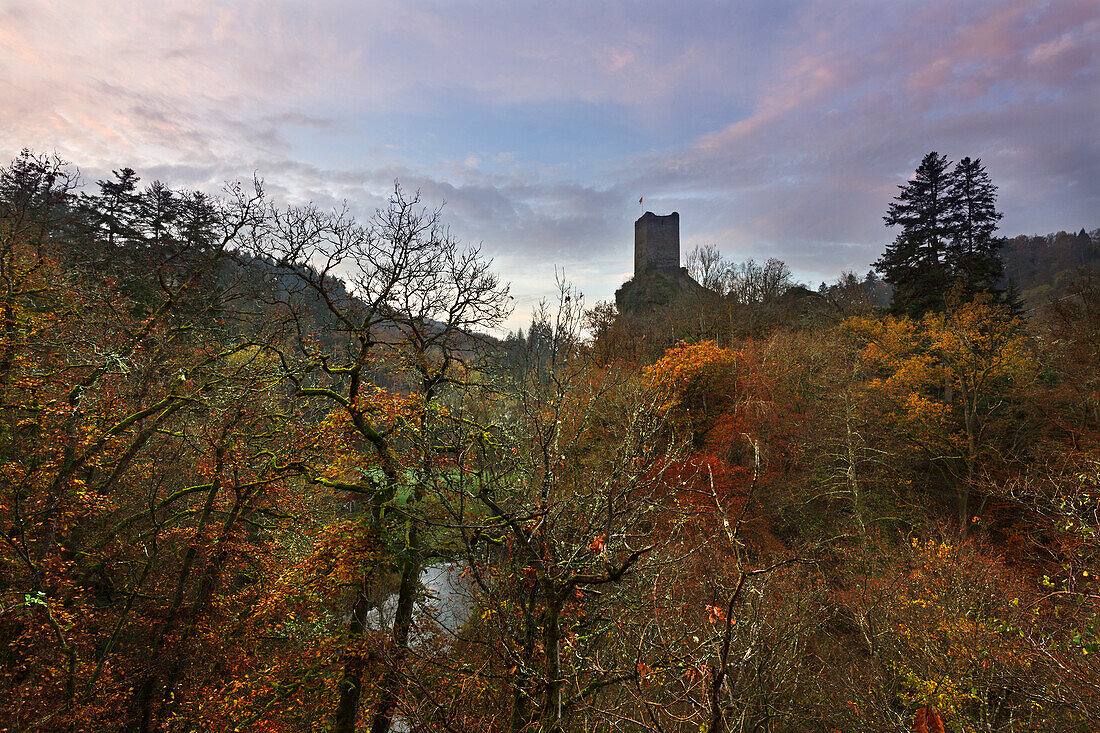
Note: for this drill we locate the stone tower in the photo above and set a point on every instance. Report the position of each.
(657, 244)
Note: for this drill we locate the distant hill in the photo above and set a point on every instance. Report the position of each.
(1043, 266)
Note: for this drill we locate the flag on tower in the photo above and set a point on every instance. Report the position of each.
(639, 200)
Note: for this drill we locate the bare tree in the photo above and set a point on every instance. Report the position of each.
(706, 266)
(554, 504)
(396, 301)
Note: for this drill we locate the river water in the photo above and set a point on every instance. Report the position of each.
(440, 612)
(442, 608)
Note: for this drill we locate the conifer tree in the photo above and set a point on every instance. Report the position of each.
(118, 206)
(974, 255)
(915, 264)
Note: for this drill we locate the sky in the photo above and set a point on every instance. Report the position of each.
(778, 128)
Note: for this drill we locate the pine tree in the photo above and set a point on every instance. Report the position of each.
(1013, 300)
(915, 264)
(974, 257)
(118, 207)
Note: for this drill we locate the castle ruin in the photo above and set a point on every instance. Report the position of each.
(657, 244)
(658, 277)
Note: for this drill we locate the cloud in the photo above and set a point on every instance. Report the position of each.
(776, 129)
(808, 173)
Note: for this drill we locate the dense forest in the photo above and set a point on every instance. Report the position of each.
(1048, 266)
(262, 469)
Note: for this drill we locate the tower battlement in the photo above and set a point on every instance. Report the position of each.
(657, 244)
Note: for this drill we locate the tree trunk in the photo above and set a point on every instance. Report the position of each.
(551, 709)
(521, 694)
(145, 691)
(351, 678)
(402, 624)
(970, 420)
(851, 474)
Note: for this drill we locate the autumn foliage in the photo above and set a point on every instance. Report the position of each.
(261, 469)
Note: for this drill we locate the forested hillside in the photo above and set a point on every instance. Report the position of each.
(260, 471)
(1045, 267)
